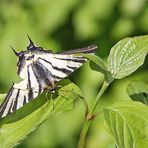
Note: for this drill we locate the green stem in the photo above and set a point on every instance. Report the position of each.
(89, 117)
(104, 87)
(82, 140)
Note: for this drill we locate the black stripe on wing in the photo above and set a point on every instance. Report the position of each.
(30, 94)
(25, 100)
(44, 74)
(72, 67)
(76, 60)
(64, 70)
(15, 99)
(40, 88)
(89, 49)
(18, 95)
(67, 68)
(5, 102)
(14, 107)
(61, 66)
(29, 79)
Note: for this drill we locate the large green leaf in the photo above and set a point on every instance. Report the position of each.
(128, 123)
(138, 91)
(16, 126)
(127, 55)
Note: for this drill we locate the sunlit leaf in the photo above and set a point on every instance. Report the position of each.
(128, 123)
(127, 55)
(16, 126)
(138, 91)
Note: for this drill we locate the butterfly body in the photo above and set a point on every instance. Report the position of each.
(40, 70)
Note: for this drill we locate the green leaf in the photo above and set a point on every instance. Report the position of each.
(138, 91)
(127, 55)
(128, 123)
(15, 127)
(96, 62)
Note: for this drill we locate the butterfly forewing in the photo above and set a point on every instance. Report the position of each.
(60, 66)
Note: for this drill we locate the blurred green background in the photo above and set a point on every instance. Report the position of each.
(67, 24)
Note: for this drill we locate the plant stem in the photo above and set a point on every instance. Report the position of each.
(89, 117)
(104, 87)
(82, 140)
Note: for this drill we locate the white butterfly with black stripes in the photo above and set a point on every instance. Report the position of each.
(40, 70)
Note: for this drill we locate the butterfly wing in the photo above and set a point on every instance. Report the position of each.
(64, 63)
(42, 71)
(89, 49)
(20, 94)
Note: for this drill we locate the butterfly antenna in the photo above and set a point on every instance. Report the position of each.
(16, 53)
(31, 44)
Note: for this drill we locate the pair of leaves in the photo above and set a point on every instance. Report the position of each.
(127, 121)
(15, 127)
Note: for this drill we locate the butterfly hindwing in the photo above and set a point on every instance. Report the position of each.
(16, 98)
(20, 94)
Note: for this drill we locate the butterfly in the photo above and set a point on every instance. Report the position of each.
(40, 70)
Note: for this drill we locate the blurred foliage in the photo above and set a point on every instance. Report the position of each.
(138, 91)
(65, 24)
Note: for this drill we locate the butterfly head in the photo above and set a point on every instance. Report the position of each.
(26, 58)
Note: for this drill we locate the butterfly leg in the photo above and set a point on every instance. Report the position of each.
(64, 93)
(46, 95)
(51, 98)
(53, 87)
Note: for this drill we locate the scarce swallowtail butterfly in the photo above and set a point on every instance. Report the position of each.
(40, 70)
